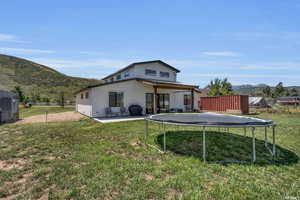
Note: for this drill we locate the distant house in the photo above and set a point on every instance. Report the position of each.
(290, 100)
(9, 107)
(258, 102)
(152, 85)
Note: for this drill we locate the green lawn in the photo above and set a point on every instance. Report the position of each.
(40, 110)
(90, 160)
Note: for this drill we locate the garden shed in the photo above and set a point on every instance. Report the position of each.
(9, 107)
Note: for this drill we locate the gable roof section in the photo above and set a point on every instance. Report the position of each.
(139, 63)
(145, 81)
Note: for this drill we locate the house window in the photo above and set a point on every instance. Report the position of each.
(116, 99)
(164, 74)
(112, 79)
(86, 95)
(81, 95)
(118, 76)
(150, 72)
(187, 99)
(126, 74)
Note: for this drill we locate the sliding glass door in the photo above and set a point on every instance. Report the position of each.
(163, 103)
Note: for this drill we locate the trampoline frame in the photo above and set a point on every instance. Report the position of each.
(162, 125)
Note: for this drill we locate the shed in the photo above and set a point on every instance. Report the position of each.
(258, 102)
(9, 107)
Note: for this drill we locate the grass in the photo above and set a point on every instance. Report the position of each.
(90, 160)
(41, 110)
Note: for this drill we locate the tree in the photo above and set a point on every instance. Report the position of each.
(18, 90)
(294, 92)
(279, 90)
(287, 92)
(62, 99)
(267, 92)
(219, 87)
(45, 100)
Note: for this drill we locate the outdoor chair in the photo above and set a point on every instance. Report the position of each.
(108, 111)
(123, 111)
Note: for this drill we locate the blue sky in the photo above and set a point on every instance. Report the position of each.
(250, 42)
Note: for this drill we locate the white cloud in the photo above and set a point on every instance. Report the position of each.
(95, 63)
(234, 65)
(267, 35)
(10, 38)
(24, 51)
(91, 53)
(7, 37)
(228, 75)
(220, 53)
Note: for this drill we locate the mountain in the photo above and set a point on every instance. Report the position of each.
(256, 89)
(38, 80)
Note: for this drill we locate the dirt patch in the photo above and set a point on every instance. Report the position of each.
(55, 117)
(149, 177)
(7, 165)
(173, 194)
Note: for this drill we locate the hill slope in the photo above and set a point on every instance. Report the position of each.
(256, 89)
(36, 79)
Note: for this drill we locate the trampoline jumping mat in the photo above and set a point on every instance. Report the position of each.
(210, 119)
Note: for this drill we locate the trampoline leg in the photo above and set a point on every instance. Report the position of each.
(164, 129)
(274, 146)
(266, 136)
(204, 145)
(253, 145)
(146, 132)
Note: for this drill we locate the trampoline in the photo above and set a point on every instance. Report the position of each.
(204, 120)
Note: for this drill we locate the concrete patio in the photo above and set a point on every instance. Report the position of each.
(118, 119)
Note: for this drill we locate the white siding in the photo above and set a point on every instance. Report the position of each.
(179, 99)
(139, 71)
(84, 105)
(134, 93)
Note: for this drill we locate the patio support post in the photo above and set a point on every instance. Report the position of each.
(164, 129)
(274, 146)
(154, 100)
(203, 144)
(146, 132)
(253, 145)
(245, 131)
(192, 105)
(266, 136)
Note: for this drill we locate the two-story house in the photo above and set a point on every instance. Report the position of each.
(152, 85)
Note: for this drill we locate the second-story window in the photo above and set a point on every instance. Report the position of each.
(126, 74)
(150, 72)
(118, 76)
(164, 74)
(86, 95)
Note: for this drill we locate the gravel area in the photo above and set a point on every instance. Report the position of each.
(55, 117)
